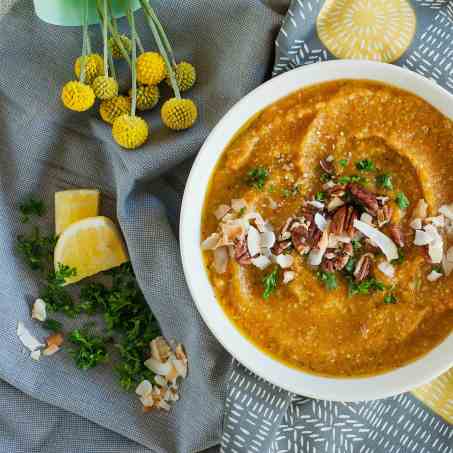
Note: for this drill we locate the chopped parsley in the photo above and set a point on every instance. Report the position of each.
(365, 165)
(356, 245)
(325, 177)
(52, 325)
(320, 196)
(257, 177)
(271, 188)
(291, 192)
(402, 201)
(91, 349)
(365, 287)
(242, 211)
(384, 180)
(343, 162)
(353, 178)
(270, 282)
(390, 299)
(35, 248)
(328, 278)
(350, 266)
(30, 208)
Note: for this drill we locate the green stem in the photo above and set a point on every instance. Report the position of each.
(112, 65)
(137, 37)
(130, 16)
(84, 43)
(116, 38)
(162, 33)
(162, 50)
(105, 37)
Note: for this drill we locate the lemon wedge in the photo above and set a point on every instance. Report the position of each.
(74, 205)
(91, 245)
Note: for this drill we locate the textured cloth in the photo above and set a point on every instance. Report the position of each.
(45, 148)
(416, 35)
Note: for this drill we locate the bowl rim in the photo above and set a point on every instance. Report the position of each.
(414, 374)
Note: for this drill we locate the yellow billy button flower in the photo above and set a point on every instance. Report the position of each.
(147, 96)
(77, 96)
(94, 66)
(186, 76)
(114, 48)
(105, 87)
(150, 68)
(179, 114)
(111, 109)
(129, 131)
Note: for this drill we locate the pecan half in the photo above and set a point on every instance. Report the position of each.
(351, 216)
(338, 190)
(396, 233)
(337, 224)
(285, 233)
(299, 239)
(363, 267)
(241, 252)
(384, 215)
(327, 165)
(280, 247)
(336, 259)
(366, 198)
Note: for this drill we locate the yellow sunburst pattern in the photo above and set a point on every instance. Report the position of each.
(379, 30)
(438, 395)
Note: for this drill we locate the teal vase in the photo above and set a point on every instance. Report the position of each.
(70, 12)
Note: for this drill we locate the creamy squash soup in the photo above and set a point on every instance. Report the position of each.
(328, 229)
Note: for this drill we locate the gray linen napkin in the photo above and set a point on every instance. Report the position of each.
(44, 148)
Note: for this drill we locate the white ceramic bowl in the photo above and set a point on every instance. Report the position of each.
(397, 381)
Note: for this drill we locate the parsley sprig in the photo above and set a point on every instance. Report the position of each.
(257, 177)
(31, 207)
(270, 282)
(328, 278)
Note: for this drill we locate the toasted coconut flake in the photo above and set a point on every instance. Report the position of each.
(160, 350)
(160, 380)
(423, 237)
(221, 259)
(54, 342)
(316, 254)
(210, 243)
(288, 276)
(39, 310)
(158, 367)
(316, 204)
(238, 203)
(335, 203)
(284, 261)
(434, 276)
(436, 251)
(144, 388)
(416, 224)
(272, 203)
(267, 239)
(320, 221)
(387, 268)
(221, 211)
(447, 211)
(51, 350)
(387, 246)
(382, 200)
(35, 355)
(449, 255)
(163, 405)
(438, 221)
(232, 230)
(261, 262)
(27, 339)
(366, 218)
(329, 185)
(253, 241)
(421, 210)
(180, 367)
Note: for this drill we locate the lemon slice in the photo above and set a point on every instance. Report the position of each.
(74, 205)
(90, 246)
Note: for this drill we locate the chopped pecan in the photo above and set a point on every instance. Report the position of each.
(366, 198)
(338, 221)
(338, 190)
(336, 259)
(327, 165)
(241, 252)
(299, 239)
(334, 203)
(284, 233)
(280, 247)
(384, 215)
(396, 233)
(363, 267)
(351, 216)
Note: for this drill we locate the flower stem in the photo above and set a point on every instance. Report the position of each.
(84, 43)
(112, 64)
(162, 50)
(130, 16)
(162, 33)
(105, 37)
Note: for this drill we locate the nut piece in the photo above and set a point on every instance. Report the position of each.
(241, 252)
(299, 237)
(384, 215)
(327, 165)
(280, 247)
(337, 226)
(366, 198)
(363, 267)
(336, 259)
(397, 235)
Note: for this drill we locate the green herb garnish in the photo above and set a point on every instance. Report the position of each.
(390, 299)
(325, 177)
(30, 208)
(320, 196)
(365, 287)
(270, 282)
(402, 201)
(328, 278)
(365, 165)
(35, 248)
(356, 245)
(343, 162)
(52, 325)
(271, 188)
(353, 178)
(242, 211)
(257, 177)
(401, 257)
(350, 266)
(385, 181)
(91, 350)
